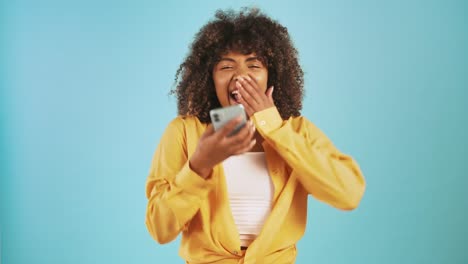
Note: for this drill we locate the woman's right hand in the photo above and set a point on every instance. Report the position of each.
(215, 147)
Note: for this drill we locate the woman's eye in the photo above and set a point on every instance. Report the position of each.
(226, 67)
(254, 66)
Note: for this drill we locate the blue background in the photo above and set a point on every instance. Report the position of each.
(84, 101)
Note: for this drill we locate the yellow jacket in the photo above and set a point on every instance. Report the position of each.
(301, 160)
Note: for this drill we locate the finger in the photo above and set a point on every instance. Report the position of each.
(244, 134)
(251, 87)
(244, 149)
(248, 108)
(251, 93)
(246, 100)
(250, 78)
(256, 91)
(243, 142)
(269, 94)
(229, 127)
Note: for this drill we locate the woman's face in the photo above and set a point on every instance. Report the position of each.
(229, 68)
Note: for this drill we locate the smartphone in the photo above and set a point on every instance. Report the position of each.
(221, 116)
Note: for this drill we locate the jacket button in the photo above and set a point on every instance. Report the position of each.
(263, 122)
(235, 252)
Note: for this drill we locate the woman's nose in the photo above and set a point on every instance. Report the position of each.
(239, 74)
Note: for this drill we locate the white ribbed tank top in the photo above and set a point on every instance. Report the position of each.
(250, 192)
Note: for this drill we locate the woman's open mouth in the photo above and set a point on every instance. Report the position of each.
(235, 96)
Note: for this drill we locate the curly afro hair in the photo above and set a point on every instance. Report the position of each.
(248, 31)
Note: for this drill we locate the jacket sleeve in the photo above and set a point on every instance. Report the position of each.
(326, 173)
(173, 190)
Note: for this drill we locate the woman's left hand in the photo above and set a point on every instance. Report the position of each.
(252, 98)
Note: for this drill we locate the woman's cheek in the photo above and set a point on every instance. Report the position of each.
(262, 84)
(261, 80)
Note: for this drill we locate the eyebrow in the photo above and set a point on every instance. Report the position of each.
(253, 58)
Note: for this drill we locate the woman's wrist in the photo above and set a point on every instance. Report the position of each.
(198, 168)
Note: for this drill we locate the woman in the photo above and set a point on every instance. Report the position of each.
(243, 198)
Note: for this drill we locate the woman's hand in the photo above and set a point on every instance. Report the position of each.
(215, 147)
(252, 98)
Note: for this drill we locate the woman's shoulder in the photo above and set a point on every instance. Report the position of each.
(183, 123)
(299, 121)
(302, 124)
